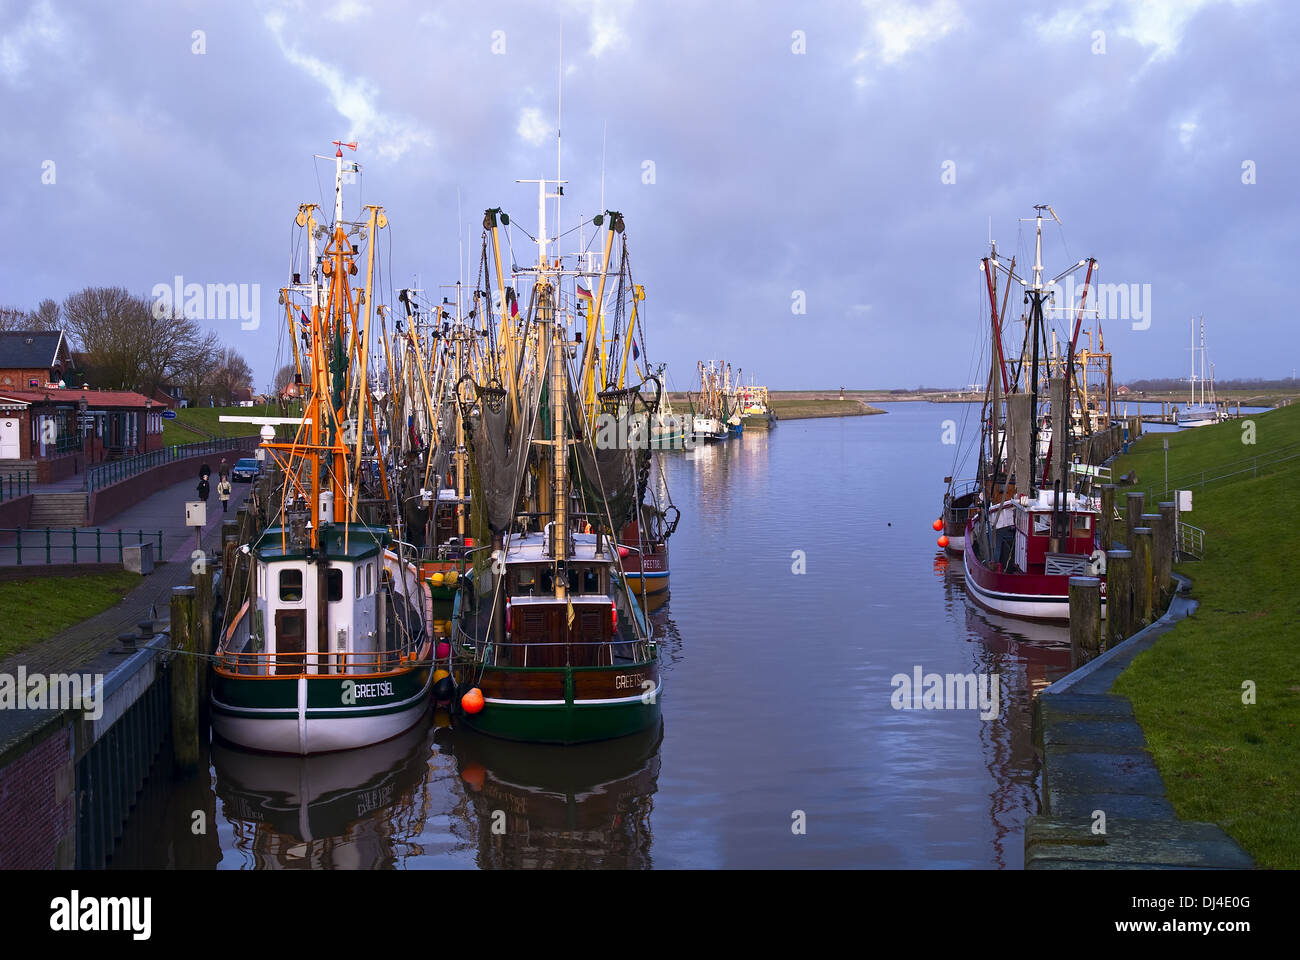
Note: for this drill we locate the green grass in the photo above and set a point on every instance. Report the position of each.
(37, 609)
(1224, 761)
(208, 419)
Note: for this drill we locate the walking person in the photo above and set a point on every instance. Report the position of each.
(203, 487)
(223, 491)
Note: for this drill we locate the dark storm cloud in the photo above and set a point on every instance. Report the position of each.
(775, 171)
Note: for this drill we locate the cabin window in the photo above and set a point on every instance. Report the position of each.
(370, 579)
(335, 582)
(525, 582)
(1042, 524)
(359, 592)
(291, 586)
(1082, 524)
(583, 580)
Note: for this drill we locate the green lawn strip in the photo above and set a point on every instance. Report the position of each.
(1224, 761)
(814, 408)
(37, 609)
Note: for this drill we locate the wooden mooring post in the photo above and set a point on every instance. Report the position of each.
(1105, 520)
(202, 581)
(1119, 596)
(1135, 506)
(1085, 620)
(184, 682)
(1142, 602)
(1163, 558)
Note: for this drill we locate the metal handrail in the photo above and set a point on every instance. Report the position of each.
(104, 474)
(46, 541)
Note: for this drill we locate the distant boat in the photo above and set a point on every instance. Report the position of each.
(1199, 413)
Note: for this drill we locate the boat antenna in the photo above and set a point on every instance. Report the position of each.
(559, 116)
(604, 131)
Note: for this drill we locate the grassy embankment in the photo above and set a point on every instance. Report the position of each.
(1223, 760)
(37, 609)
(208, 421)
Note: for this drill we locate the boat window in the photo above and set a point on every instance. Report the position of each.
(525, 582)
(335, 584)
(291, 585)
(370, 579)
(1042, 524)
(1082, 524)
(358, 583)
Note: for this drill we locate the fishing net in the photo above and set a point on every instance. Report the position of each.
(612, 466)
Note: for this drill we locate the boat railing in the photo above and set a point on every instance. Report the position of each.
(295, 664)
(502, 653)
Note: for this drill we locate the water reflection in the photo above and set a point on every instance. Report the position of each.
(356, 809)
(560, 807)
(1027, 657)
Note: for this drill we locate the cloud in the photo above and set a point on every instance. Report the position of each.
(346, 11)
(532, 127)
(1187, 132)
(39, 29)
(896, 28)
(355, 99)
(605, 19)
(1155, 25)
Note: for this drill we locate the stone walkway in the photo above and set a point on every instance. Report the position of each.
(1095, 761)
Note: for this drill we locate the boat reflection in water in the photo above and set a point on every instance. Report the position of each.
(566, 807)
(353, 809)
(1027, 656)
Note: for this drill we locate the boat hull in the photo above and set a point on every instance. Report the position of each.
(317, 714)
(568, 704)
(1026, 596)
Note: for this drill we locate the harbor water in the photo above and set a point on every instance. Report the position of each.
(805, 582)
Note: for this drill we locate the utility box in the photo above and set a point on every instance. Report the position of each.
(138, 558)
(196, 513)
(1184, 501)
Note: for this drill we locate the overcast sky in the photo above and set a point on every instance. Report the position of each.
(852, 151)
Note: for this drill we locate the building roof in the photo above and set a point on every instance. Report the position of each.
(28, 349)
(93, 398)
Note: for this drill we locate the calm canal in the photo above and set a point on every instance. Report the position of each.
(778, 706)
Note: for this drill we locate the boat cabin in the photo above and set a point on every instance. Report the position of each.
(370, 627)
(1024, 534)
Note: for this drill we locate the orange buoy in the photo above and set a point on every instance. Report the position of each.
(938, 524)
(472, 702)
(943, 541)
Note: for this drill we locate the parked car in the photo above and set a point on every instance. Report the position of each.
(246, 470)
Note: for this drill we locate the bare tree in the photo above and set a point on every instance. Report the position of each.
(196, 370)
(48, 315)
(14, 318)
(233, 375)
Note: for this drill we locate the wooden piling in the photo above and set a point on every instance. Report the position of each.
(202, 581)
(1141, 577)
(1085, 620)
(1105, 536)
(184, 682)
(1163, 555)
(1119, 596)
(1135, 506)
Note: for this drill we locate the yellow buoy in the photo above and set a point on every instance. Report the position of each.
(436, 579)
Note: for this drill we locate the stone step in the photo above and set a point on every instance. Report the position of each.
(58, 509)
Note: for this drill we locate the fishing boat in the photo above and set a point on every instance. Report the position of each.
(1199, 412)
(710, 413)
(324, 642)
(1034, 524)
(550, 643)
(754, 407)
